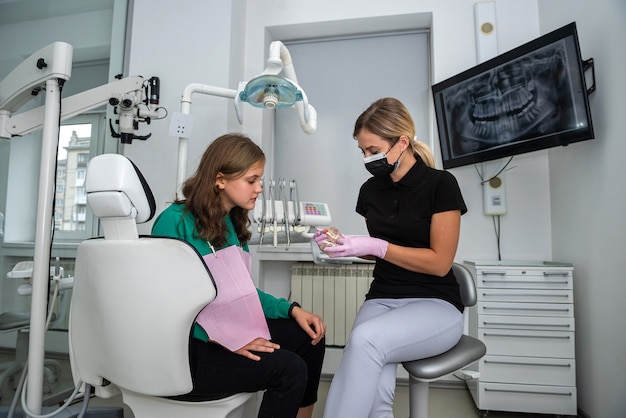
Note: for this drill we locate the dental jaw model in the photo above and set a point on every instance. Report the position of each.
(333, 235)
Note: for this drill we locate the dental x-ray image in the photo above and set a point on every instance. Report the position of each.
(534, 93)
(528, 96)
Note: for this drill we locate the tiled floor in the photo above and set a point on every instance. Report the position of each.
(446, 401)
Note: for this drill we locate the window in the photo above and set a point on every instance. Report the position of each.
(98, 57)
(80, 138)
(82, 159)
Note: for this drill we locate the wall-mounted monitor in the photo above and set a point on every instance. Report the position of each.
(527, 99)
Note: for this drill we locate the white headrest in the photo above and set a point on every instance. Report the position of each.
(116, 189)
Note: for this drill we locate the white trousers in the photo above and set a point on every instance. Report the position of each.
(387, 332)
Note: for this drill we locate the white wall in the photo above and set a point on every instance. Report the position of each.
(182, 44)
(589, 203)
(190, 43)
(566, 204)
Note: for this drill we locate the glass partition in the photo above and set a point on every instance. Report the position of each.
(96, 30)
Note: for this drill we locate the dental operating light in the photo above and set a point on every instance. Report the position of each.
(277, 87)
(270, 92)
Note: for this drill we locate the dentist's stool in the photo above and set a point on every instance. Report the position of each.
(467, 351)
(134, 302)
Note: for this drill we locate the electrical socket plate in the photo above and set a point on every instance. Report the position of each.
(181, 125)
(494, 196)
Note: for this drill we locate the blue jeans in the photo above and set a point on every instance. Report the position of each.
(385, 333)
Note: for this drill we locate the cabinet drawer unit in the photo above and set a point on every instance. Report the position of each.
(526, 322)
(538, 399)
(526, 295)
(525, 309)
(521, 278)
(528, 370)
(528, 342)
(525, 316)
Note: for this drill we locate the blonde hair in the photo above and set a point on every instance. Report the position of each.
(390, 119)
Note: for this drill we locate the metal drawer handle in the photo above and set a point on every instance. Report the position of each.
(526, 324)
(506, 308)
(493, 273)
(521, 363)
(526, 281)
(556, 273)
(528, 336)
(535, 392)
(547, 295)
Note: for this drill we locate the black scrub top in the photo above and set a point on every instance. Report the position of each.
(401, 213)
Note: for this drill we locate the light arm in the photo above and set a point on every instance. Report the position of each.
(54, 62)
(280, 59)
(17, 88)
(266, 90)
(32, 120)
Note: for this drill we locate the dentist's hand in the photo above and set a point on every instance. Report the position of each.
(326, 237)
(319, 237)
(358, 246)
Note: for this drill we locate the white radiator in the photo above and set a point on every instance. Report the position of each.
(334, 293)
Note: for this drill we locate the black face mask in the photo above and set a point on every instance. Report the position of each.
(378, 165)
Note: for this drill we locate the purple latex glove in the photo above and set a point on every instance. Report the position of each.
(358, 246)
(326, 237)
(319, 236)
(320, 239)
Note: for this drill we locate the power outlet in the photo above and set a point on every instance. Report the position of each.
(181, 125)
(494, 196)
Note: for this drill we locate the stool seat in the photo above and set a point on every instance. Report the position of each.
(467, 351)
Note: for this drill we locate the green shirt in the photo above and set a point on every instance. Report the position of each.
(176, 222)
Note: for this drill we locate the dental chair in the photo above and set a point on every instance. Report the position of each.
(467, 351)
(134, 301)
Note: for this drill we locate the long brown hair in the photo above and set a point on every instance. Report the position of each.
(230, 155)
(390, 119)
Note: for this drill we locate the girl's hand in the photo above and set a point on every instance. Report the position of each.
(258, 344)
(312, 324)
